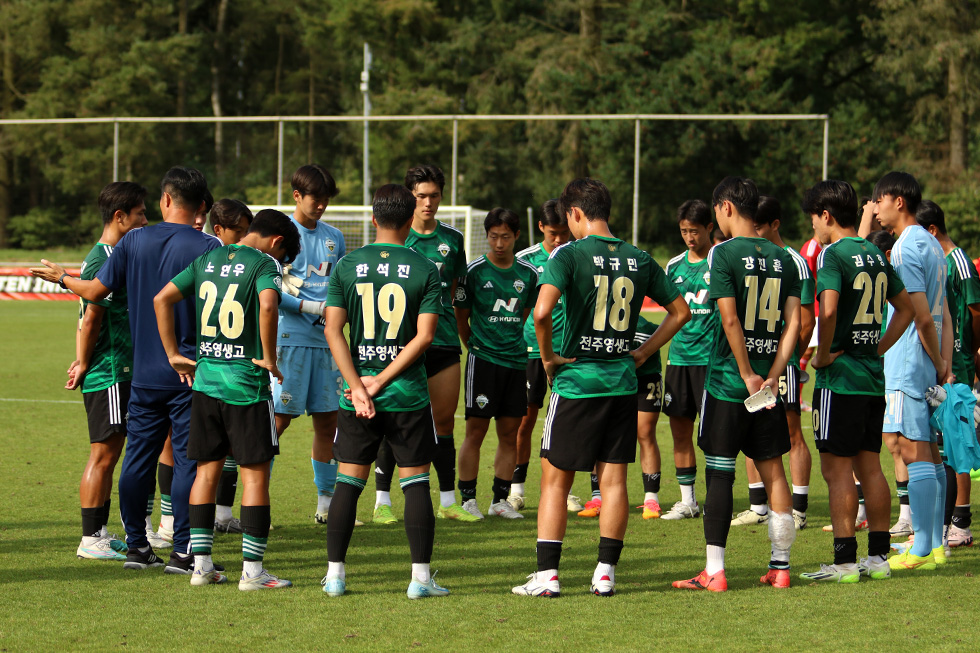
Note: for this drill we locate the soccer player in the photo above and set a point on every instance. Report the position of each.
(687, 359)
(915, 363)
(103, 369)
(492, 303)
(237, 290)
(143, 262)
(767, 221)
(649, 401)
(391, 297)
(311, 382)
(756, 286)
(855, 280)
(963, 298)
(591, 423)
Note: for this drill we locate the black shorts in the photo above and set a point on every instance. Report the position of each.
(683, 390)
(727, 428)
(789, 388)
(107, 411)
(439, 358)
(649, 393)
(537, 382)
(218, 428)
(411, 435)
(844, 425)
(578, 433)
(494, 390)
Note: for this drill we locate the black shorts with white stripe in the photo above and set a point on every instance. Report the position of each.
(108, 411)
(789, 388)
(844, 425)
(578, 433)
(411, 435)
(494, 391)
(218, 428)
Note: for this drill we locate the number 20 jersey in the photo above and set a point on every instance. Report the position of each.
(603, 282)
(383, 288)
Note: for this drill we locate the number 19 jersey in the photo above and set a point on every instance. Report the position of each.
(383, 288)
(603, 282)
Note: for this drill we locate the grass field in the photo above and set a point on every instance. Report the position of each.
(49, 600)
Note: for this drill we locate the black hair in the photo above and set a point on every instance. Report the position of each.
(270, 222)
(836, 198)
(718, 235)
(229, 213)
(500, 216)
(313, 179)
(694, 211)
(208, 201)
(741, 192)
(589, 195)
(930, 214)
(899, 184)
(393, 206)
(120, 196)
(186, 186)
(769, 210)
(550, 217)
(422, 174)
(882, 239)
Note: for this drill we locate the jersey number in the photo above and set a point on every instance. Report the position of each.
(391, 308)
(619, 312)
(869, 311)
(231, 315)
(764, 307)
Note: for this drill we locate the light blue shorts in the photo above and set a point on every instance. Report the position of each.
(311, 382)
(908, 416)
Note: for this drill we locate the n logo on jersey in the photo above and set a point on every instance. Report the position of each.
(510, 305)
(519, 286)
(696, 298)
(443, 249)
(323, 270)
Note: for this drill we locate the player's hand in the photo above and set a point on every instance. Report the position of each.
(947, 376)
(551, 367)
(76, 372)
(51, 272)
(269, 366)
(185, 368)
(371, 385)
(754, 383)
(363, 406)
(290, 282)
(818, 361)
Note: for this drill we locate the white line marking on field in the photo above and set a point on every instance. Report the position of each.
(41, 401)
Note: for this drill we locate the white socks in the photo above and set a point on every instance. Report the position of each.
(383, 499)
(166, 522)
(222, 514)
(336, 570)
(687, 495)
(447, 499)
(323, 503)
(203, 563)
(648, 496)
(421, 573)
(517, 489)
(905, 512)
(716, 559)
(252, 568)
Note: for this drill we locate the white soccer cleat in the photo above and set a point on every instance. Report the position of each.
(157, 541)
(101, 549)
(902, 528)
(470, 506)
(574, 504)
(517, 501)
(605, 586)
(681, 510)
(264, 581)
(504, 509)
(537, 585)
(209, 577)
(749, 517)
(960, 537)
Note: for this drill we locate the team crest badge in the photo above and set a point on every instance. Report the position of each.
(707, 277)
(758, 249)
(279, 283)
(385, 254)
(330, 245)
(443, 249)
(519, 286)
(482, 401)
(231, 256)
(285, 398)
(667, 399)
(612, 248)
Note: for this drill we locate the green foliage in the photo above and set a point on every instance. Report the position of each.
(961, 206)
(41, 228)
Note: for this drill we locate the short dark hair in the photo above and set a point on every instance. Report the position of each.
(208, 201)
(270, 222)
(881, 239)
(769, 210)
(313, 179)
(930, 214)
(836, 198)
(550, 217)
(899, 184)
(120, 196)
(694, 211)
(589, 195)
(229, 213)
(424, 173)
(501, 216)
(186, 186)
(718, 235)
(741, 192)
(393, 206)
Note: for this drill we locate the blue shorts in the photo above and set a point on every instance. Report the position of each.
(908, 416)
(310, 384)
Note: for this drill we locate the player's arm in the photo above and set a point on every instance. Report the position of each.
(808, 322)
(900, 319)
(163, 306)
(947, 376)
(463, 323)
(268, 331)
(335, 320)
(297, 305)
(678, 314)
(424, 335)
(92, 290)
(86, 338)
(828, 324)
(926, 328)
(787, 341)
(868, 221)
(548, 297)
(728, 316)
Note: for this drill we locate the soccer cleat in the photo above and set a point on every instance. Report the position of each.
(716, 582)
(264, 581)
(591, 508)
(517, 501)
(651, 509)
(960, 537)
(99, 550)
(849, 573)
(750, 517)
(505, 510)
(603, 587)
(383, 515)
(335, 586)
(573, 503)
(470, 506)
(861, 525)
(456, 512)
(535, 586)
(902, 528)
(939, 555)
(874, 570)
(165, 534)
(210, 577)
(420, 590)
(233, 525)
(975, 474)
(119, 546)
(180, 565)
(908, 561)
(681, 510)
(321, 518)
(778, 578)
(157, 542)
(799, 518)
(137, 559)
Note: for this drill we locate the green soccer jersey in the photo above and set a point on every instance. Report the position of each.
(444, 247)
(864, 279)
(537, 256)
(760, 277)
(384, 288)
(962, 289)
(692, 344)
(497, 299)
(645, 329)
(603, 282)
(112, 358)
(807, 291)
(226, 283)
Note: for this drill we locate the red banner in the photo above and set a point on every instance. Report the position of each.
(17, 283)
